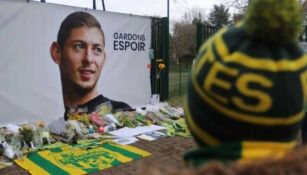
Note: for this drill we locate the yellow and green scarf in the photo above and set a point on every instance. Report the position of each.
(81, 158)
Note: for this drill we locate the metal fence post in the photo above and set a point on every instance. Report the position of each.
(103, 6)
(165, 55)
(199, 38)
(179, 78)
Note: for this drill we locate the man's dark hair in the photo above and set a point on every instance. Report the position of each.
(76, 20)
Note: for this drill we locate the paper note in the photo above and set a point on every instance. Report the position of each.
(130, 132)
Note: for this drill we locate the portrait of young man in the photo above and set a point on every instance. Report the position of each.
(80, 54)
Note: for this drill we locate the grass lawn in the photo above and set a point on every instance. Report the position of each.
(175, 84)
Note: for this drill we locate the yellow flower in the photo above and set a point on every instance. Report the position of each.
(161, 66)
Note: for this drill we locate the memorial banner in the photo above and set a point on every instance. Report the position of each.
(30, 86)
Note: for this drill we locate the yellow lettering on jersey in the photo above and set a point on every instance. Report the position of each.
(304, 84)
(212, 80)
(265, 101)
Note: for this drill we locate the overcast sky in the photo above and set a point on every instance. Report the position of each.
(145, 7)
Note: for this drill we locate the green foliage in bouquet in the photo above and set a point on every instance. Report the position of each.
(26, 134)
(80, 117)
(126, 119)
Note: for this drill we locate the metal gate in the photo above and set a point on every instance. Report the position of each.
(203, 32)
(159, 51)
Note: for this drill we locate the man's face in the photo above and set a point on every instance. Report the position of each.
(82, 58)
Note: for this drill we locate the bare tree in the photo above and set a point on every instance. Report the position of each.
(304, 6)
(240, 5)
(195, 14)
(183, 39)
(238, 16)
